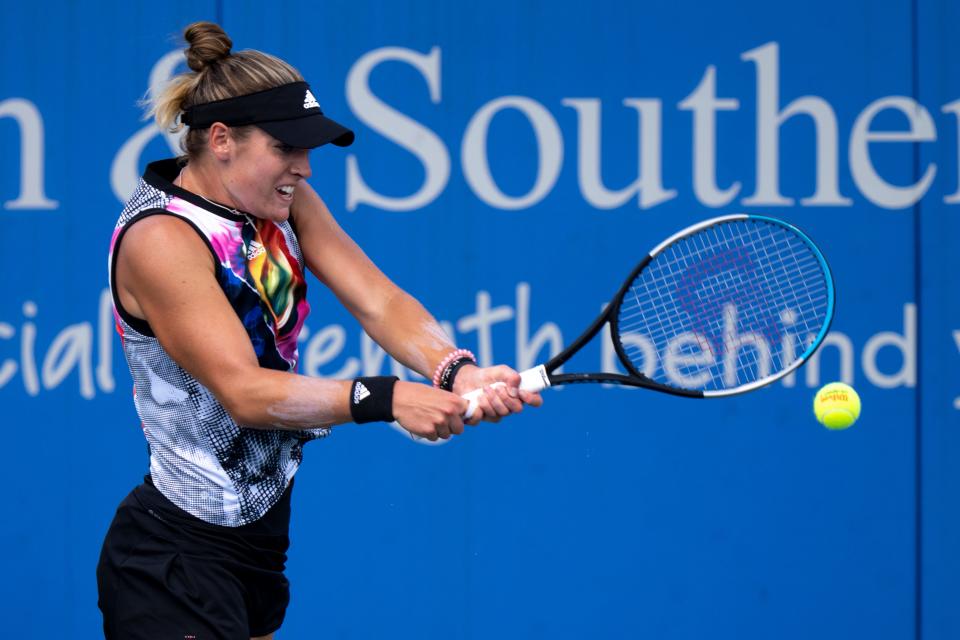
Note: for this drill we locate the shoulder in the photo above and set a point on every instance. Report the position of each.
(163, 241)
(309, 209)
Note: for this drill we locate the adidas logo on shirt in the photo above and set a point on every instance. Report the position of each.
(254, 250)
(309, 102)
(360, 392)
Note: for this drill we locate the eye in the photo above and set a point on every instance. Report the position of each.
(285, 149)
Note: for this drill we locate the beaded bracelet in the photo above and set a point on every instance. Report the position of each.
(450, 373)
(448, 361)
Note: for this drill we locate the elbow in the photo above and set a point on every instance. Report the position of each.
(378, 309)
(245, 415)
(243, 405)
(243, 412)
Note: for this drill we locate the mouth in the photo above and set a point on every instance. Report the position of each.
(286, 192)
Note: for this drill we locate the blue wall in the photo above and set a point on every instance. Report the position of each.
(607, 513)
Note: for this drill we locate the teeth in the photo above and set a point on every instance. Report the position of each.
(286, 189)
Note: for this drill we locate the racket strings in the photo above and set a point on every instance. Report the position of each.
(729, 305)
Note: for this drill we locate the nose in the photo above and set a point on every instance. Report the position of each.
(301, 164)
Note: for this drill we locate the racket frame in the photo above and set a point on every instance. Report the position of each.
(635, 378)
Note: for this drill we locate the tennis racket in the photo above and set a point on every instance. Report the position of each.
(723, 307)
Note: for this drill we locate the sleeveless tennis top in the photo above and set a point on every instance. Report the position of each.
(200, 458)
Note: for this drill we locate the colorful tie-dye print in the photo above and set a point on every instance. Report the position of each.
(278, 278)
(200, 458)
(258, 256)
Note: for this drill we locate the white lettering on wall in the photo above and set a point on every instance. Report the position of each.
(769, 121)
(9, 367)
(71, 349)
(30, 123)
(844, 347)
(28, 359)
(476, 166)
(874, 187)
(548, 334)
(704, 104)
(954, 108)
(481, 322)
(125, 169)
(397, 127)
(105, 332)
(905, 343)
(956, 341)
(648, 187)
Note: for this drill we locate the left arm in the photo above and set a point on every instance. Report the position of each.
(392, 317)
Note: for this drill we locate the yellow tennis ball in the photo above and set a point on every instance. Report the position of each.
(836, 405)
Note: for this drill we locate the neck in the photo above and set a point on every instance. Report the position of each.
(196, 179)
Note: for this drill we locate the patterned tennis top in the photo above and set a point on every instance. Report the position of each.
(200, 458)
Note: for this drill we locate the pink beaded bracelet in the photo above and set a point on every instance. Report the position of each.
(453, 355)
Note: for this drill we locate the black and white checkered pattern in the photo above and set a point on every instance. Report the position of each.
(199, 457)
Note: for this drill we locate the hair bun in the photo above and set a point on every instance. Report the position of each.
(208, 44)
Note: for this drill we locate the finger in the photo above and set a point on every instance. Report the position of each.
(507, 375)
(475, 419)
(489, 414)
(511, 399)
(476, 415)
(497, 403)
(532, 398)
(456, 426)
(443, 433)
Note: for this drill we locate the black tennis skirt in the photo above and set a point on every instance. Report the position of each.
(164, 573)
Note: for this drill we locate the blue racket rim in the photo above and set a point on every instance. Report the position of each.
(831, 291)
(733, 218)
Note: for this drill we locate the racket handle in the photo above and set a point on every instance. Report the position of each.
(534, 379)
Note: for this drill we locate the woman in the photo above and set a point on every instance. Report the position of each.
(207, 274)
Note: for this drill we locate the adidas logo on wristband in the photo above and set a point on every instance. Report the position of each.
(360, 393)
(378, 393)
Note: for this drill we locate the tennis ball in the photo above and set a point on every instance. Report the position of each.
(836, 405)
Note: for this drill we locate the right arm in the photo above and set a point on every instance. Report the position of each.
(176, 291)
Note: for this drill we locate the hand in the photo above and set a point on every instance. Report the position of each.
(427, 412)
(499, 400)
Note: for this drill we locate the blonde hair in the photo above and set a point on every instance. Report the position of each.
(216, 74)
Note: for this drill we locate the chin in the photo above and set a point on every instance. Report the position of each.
(276, 214)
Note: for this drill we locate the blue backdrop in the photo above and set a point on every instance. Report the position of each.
(512, 162)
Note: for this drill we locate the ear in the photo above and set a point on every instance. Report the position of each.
(219, 141)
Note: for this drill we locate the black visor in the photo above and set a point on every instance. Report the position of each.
(289, 113)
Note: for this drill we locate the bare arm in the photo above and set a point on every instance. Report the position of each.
(389, 315)
(393, 318)
(177, 293)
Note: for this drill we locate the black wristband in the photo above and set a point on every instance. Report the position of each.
(446, 378)
(371, 399)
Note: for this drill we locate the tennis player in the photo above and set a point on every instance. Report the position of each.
(207, 267)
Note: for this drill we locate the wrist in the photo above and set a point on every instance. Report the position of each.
(466, 379)
(371, 399)
(446, 371)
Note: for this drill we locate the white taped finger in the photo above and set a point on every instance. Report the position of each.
(473, 401)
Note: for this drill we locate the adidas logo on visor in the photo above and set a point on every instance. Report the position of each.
(309, 102)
